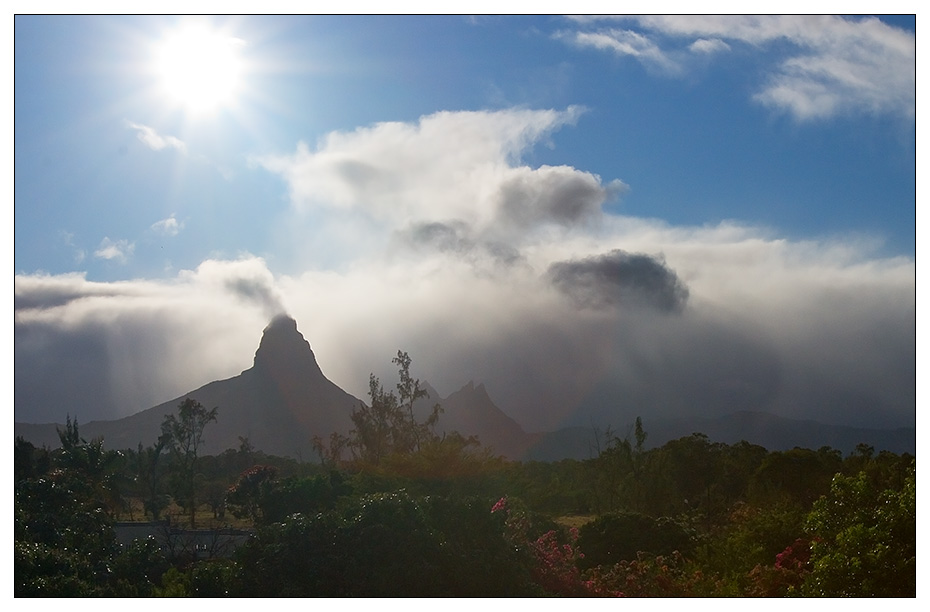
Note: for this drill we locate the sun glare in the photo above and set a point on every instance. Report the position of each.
(199, 68)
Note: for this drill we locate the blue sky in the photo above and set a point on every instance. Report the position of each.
(488, 193)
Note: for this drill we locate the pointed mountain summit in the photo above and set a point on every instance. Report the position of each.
(279, 404)
(283, 351)
(471, 412)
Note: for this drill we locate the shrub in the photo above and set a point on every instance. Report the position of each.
(620, 536)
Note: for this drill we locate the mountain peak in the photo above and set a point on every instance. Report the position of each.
(284, 347)
(282, 322)
(431, 393)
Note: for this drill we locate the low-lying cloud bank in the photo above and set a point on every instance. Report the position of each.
(443, 243)
(728, 321)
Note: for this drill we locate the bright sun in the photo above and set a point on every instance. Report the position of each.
(199, 67)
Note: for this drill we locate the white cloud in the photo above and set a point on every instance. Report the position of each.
(461, 237)
(119, 250)
(168, 227)
(708, 46)
(355, 192)
(154, 140)
(833, 65)
(107, 350)
(624, 42)
(443, 164)
(448, 167)
(807, 330)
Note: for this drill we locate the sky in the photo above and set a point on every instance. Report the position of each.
(597, 217)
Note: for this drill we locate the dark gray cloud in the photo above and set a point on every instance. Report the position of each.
(620, 278)
(451, 236)
(259, 291)
(455, 237)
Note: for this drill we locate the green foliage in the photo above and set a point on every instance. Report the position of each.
(29, 461)
(213, 578)
(245, 497)
(137, 570)
(45, 571)
(865, 540)
(559, 488)
(753, 535)
(552, 557)
(799, 475)
(64, 544)
(149, 466)
(416, 521)
(388, 426)
(259, 496)
(183, 435)
(385, 545)
(616, 474)
(175, 583)
(620, 536)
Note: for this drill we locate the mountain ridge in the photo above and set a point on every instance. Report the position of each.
(284, 400)
(279, 403)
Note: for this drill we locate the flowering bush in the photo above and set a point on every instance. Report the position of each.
(648, 576)
(791, 567)
(555, 569)
(553, 556)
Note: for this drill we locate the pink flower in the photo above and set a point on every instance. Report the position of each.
(500, 505)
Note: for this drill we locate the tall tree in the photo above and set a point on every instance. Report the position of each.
(184, 436)
(389, 426)
(865, 539)
(150, 470)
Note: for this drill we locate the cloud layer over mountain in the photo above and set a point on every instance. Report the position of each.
(443, 242)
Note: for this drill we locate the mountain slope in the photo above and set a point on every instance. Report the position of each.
(279, 403)
(284, 400)
(471, 412)
(770, 431)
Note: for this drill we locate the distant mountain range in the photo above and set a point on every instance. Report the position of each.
(284, 399)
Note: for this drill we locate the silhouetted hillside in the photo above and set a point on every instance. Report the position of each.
(471, 412)
(767, 430)
(284, 400)
(279, 403)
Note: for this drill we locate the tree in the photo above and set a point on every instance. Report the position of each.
(409, 391)
(620, 536)
(29, 461)
(149, 469)
(800, 475)
(97, 468)
(184, 435)
(386, 545)
(389, 426)
(244, 497)
(865, 540)
(641, 436)
(64, 542)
